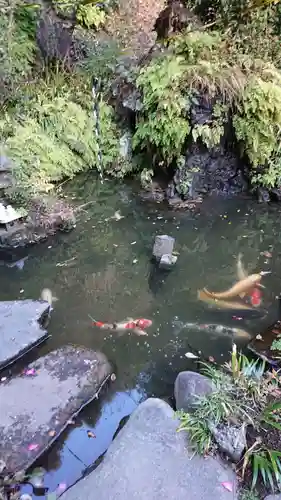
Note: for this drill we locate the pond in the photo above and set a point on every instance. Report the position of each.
(103, 269)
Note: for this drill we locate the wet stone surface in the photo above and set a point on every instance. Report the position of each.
(37, 405)
(20, 329)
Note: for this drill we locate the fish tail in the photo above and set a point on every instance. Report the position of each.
(207, 293)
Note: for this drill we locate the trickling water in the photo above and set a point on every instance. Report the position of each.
(96, 99)
(103, 268)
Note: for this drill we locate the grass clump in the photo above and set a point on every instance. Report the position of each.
(244, 394)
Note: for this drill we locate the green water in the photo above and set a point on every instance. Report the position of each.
(103, 268)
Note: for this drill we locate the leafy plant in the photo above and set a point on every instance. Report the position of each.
(163, 123)
(198, 431)
(265, 464)
(276, 344)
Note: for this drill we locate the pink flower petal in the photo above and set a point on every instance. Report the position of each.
(227, 485)
(31, 371)
(62, 486)
(33, 447)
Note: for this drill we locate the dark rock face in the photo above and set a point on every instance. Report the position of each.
(20, 329)
(189, 386)
(36, 406)
(150, 460)
(214, 171)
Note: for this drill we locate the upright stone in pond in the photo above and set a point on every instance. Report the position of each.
(163, 245)
(38, 405)
(20, 328)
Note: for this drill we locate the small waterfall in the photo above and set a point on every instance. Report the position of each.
(96, 93)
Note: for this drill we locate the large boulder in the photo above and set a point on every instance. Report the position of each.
(149, 460)
(20, 328)
(189, 386)
(37, 406)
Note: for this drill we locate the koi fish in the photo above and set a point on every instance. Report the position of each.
(241, 271)
(244, 286)
(47, 296)
(137, 326)
(217, 329)
(255, 295)
(223, 304)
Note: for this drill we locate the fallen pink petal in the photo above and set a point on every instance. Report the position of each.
(62, 486)
(228, 486)
(31, 371)
(33, 447)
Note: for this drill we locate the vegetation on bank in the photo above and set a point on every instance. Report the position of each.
(245, 395)
(232, 57)
(235, 66)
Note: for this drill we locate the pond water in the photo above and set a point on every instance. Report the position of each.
(103, 269)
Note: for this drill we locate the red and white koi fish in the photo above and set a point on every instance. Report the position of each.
(137, 326)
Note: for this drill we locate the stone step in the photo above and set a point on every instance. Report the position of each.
(37, 406)
(150, 460)
(20, 328)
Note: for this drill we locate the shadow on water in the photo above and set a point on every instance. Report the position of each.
(103, 268)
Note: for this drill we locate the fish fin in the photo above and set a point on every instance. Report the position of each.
(207, 293)
(139, 331)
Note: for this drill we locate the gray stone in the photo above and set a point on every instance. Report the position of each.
(231, 439)
(189, 386)
(163, 245)
(273, 497)
(20, 329)
(37, 406)
(167, 261)
(149, 460)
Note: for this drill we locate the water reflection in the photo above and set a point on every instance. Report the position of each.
(103, 268)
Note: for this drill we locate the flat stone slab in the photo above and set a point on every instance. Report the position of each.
(36, 406)
(20, 329)
(149, 460)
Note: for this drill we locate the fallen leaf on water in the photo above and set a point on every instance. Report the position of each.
(190, 355)
(227, 485)
(259, 337)
(33, 447)
(91, 434)
(31, 371)
(238, 318)
(211, 359)
(52, 433)
(135, 261)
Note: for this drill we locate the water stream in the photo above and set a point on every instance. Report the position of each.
(103, 268)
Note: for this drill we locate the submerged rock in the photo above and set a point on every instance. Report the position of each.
(167, 261)
(189, 386)
(149, 460)
(231, 439)
(20, 328)
(37, 406)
